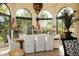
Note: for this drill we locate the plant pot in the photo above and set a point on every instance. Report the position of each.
(67, 34)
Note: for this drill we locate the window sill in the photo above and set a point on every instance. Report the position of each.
(4, 51)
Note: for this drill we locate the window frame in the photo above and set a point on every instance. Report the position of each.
(48, 18)
(9, 16)
(24, 18)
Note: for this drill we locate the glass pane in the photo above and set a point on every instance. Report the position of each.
(4, 25)
(4, 30)
(23, 13)
(61, 26)
(24, 22)
(44, 25)
(25, 26)
(4, 9)
(44, 14)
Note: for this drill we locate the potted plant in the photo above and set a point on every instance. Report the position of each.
(67, 15)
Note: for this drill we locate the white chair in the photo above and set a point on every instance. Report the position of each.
(40, 43)
(29, 43)
(49, 42)
(12, 44)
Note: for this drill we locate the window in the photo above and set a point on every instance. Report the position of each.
(4, 25)
(24, 21)
(60, 24)
(44, 22)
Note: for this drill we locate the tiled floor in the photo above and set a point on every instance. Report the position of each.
(48, 53)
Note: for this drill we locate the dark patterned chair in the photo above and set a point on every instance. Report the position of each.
(71, 46)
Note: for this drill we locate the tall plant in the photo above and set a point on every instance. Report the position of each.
(67, 15)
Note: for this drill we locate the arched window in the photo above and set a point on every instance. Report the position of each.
(60, 24)
(24, 21)
(4, 25)
(45, 22)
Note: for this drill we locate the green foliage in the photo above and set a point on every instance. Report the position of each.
(1, 37)
(25, 25)
(43, 15)
(48, 27)
(23, 13)
(61, 26)
(4, 27)
(4, 9)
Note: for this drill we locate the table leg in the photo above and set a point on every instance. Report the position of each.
(21, 45)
